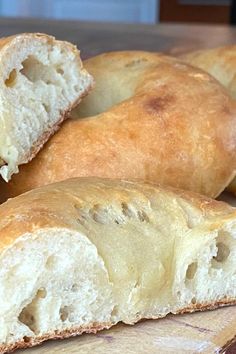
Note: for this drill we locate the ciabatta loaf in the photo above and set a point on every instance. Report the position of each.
(84, 254)
(41, 79)
(150, 117)
(220, 63)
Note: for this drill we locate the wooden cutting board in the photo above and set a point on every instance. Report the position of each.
(207, 332)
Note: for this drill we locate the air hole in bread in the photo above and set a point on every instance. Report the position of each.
(75, 288)
(11, 80)
(64, 313)
(27, 318)
(137, 284)
(98, 214)
(51, 261)
(114, 311)
(42, 293)
(221, 256)
(143, 216)
(46, 107)
(194, 300)
(60, 71)
(81, 219)
(27, 315)
(81, 215)
(222, 253)
(191, 270)
(105, 215)
(126, 210)
(32, 69)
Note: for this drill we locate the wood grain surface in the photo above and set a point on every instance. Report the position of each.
(208, 332)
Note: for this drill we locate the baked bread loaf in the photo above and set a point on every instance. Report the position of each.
(111, 251)
(149, 117)
(220, 63)
(41, 80)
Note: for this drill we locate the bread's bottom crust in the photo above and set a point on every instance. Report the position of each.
(95, 327)
(208, 306)
(28, 342)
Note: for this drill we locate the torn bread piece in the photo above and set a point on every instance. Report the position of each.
(84, 254)
(41, 79)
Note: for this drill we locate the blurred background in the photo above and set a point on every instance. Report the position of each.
(128, 11)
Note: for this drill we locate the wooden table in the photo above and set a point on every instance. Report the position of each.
(95, 38)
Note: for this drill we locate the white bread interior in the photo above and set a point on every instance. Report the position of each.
(85, 254)
(41, 79)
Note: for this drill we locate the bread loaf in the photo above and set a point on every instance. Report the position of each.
(149, 117)
(220, 63)
(84, 254)
(41, 79)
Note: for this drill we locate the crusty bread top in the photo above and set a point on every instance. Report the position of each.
(219, 62)
(149, 117)
(69, 203)
(11, 40)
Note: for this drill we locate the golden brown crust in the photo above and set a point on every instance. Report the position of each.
(178, 128)
(221, 64)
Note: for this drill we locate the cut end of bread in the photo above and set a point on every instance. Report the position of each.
(53, 303)
(114, 252)
(42, 80)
